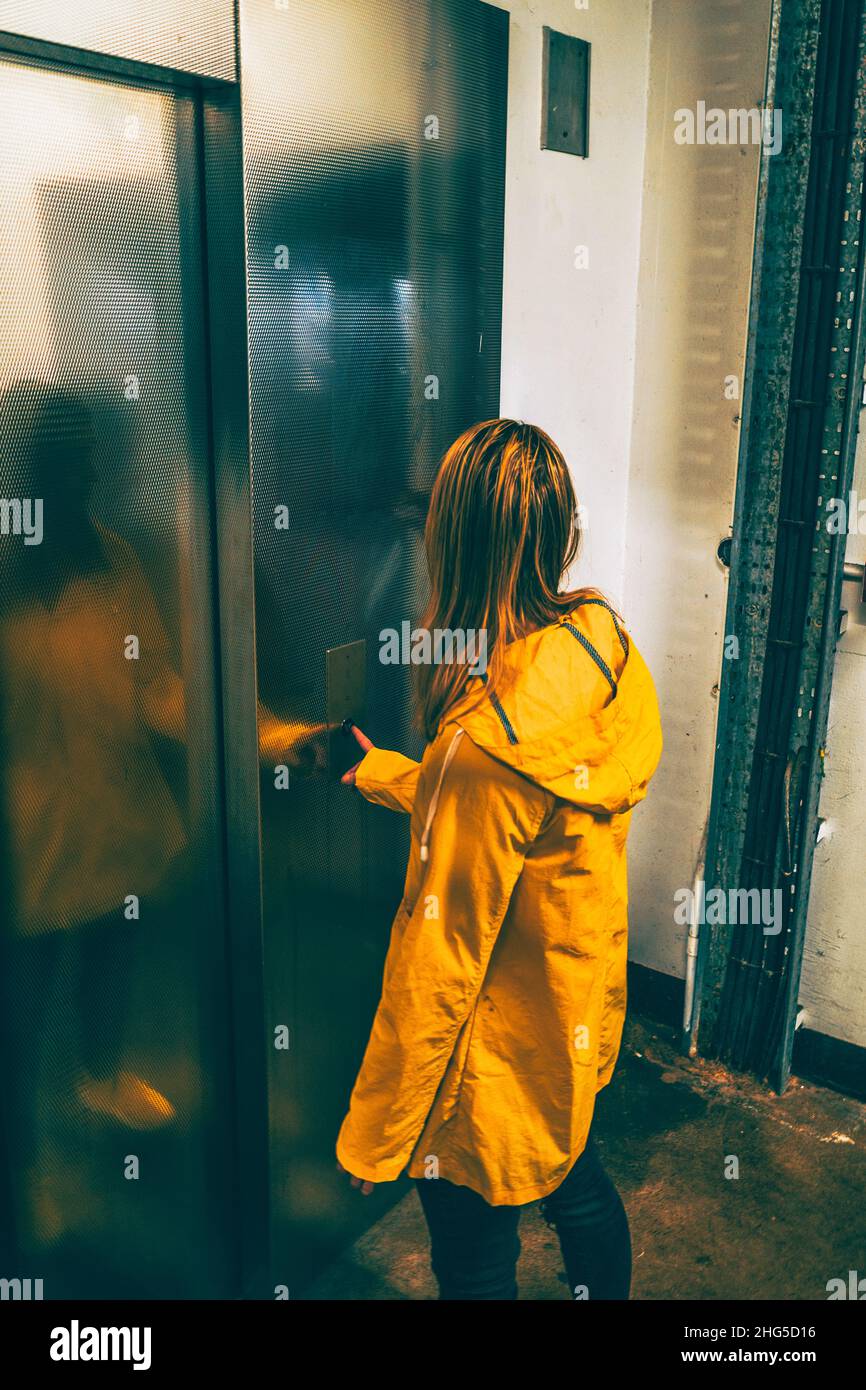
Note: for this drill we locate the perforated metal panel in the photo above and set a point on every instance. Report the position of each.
(374, 138)
(115, 1097)
(189, 35)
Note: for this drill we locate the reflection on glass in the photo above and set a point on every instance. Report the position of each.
(92, 824)
(114, 976)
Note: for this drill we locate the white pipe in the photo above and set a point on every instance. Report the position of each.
(695, 915)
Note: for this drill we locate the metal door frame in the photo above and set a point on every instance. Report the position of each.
(783, 207)
(223, 337)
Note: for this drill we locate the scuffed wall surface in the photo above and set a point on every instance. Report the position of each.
(568, 332)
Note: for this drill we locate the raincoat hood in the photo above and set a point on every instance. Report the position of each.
(577, 712)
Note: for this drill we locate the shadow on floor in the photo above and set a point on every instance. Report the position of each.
(668, 1127)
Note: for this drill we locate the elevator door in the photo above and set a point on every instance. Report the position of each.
(374, 143)
(116, 1100)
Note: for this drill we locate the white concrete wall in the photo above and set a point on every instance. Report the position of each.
(833, 983)
(697, 244)
(624, 362)
(569, 334)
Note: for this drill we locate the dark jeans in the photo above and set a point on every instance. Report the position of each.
(475, 1246)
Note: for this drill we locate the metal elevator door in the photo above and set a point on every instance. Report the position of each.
(374, 159)
(117, 1097)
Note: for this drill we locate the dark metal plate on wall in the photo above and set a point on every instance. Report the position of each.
(564, 93)
(346, 700)
(374, 139)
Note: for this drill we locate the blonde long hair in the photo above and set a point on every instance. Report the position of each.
(502, 529)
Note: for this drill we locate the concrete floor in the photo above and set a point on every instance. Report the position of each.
(795, 1217)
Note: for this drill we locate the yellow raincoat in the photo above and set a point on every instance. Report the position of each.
(504, 989)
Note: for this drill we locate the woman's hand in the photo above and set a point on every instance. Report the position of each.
(349, 777)
(366, 1187)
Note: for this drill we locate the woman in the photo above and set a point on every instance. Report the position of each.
(504, 988)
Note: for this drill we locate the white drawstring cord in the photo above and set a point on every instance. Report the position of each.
(434, 800)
